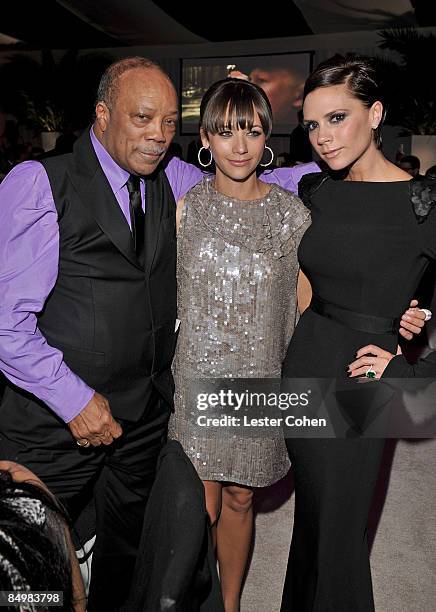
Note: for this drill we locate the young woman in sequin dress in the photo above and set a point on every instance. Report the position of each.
(237, 273)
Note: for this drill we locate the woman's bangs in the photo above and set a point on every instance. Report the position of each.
(231, 114)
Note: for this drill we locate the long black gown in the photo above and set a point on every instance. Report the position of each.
(366, 250)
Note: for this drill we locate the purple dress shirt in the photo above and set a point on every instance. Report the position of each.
(29, 256)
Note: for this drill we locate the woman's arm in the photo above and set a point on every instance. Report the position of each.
(304, 292)
(179, 211)
(391, 366)
(411, 322)
(378, 359)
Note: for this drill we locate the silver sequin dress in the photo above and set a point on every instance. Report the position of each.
(236, 272)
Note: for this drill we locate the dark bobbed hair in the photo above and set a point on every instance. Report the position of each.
(234, 100)
(359, 73)
(32, 554)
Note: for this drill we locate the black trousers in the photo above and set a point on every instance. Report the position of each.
(328, 568)
(118, 478)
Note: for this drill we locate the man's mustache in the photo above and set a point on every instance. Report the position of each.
(153, 151)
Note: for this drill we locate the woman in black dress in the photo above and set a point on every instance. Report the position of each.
(372, 236)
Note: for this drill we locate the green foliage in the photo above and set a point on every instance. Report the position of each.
(410, 83)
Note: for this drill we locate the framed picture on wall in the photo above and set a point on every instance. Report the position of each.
(281, 75)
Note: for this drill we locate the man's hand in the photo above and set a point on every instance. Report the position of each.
(95, 424)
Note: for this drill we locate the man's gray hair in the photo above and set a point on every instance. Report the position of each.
(108, 88)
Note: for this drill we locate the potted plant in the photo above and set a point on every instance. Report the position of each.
(46, 118)
(47, 95)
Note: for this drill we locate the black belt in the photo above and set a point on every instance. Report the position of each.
(355, 320)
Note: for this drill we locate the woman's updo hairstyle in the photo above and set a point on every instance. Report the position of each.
(230, 104)
(361, 76)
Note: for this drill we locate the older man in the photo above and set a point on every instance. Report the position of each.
(88, 312)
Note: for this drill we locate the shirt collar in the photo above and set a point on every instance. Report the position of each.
(116, 175)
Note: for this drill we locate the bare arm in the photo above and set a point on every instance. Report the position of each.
(304, 292)
(179, 211)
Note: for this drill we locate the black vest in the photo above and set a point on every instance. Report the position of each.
(112, 318)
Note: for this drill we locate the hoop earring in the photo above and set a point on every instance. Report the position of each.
(199, 160)
(271, 160)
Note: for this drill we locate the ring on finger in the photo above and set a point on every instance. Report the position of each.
(428, 313)
(370, 372)
(83, 442)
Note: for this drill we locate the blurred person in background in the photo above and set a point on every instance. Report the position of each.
(411, 164)
(36, 552)
(283, 84)
(431, 172)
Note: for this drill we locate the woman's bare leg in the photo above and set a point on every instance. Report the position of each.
(234, 533)
(213, 493)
